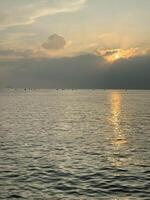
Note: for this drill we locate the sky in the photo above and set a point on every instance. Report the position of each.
(75, 44)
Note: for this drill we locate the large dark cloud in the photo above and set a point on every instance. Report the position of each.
(85, 71)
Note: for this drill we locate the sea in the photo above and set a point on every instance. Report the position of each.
(74, 144)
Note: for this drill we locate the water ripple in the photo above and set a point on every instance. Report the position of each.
(75, 145)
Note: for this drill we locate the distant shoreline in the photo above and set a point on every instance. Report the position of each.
(61, 89)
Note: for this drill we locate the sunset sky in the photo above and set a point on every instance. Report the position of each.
(72, 43)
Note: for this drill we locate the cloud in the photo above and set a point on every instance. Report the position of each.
(50, 48)
(111, 55)
(11, 54)
(108, 52)
(20, 12)
(54, 42)
(84, 71)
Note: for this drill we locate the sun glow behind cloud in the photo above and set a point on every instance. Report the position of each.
(112, 55)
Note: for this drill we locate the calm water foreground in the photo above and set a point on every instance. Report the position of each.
(70, 145)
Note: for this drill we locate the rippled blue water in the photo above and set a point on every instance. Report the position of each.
(79, 144)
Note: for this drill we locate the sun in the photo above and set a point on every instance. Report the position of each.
(117, 56)
(113, 57)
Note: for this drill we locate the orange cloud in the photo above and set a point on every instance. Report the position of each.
(111, 55)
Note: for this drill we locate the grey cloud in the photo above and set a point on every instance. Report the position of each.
(110, 52)
(84, 71)
(54, 42)
(107, 52)
(16, 53)
(6, 52)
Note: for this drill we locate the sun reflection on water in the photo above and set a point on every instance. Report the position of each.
(117, 139)
(122, 198)
(115, 119)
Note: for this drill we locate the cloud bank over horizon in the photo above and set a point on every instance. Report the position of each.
(83, 71)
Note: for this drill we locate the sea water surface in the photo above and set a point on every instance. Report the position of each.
(74, 144)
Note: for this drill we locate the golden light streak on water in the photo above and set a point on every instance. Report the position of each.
(118, 139)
